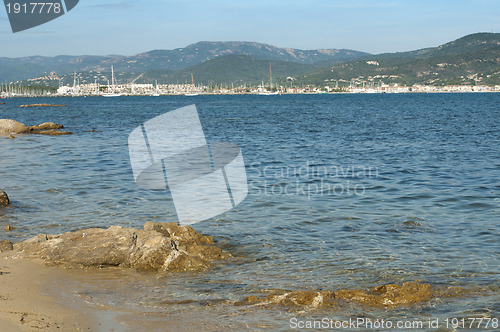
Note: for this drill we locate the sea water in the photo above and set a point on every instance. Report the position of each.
(345, 191)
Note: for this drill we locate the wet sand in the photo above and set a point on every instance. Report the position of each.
(29, 299)
(36, 297)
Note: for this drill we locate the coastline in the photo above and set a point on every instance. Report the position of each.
(37, 297)
(256, 94)
(30, 299)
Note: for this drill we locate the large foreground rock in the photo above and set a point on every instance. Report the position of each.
(4, 199)
(9, 126)
(159, 246)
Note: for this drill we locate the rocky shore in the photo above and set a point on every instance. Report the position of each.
(168, 247)
(9, 127)
(159, 246)
(382, 296)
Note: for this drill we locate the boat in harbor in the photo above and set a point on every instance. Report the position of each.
(270, 93)
(113, 92)
(193, 93)
(156, 93)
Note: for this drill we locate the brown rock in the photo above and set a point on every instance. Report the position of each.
(9, 126)
(4, 199)
(42, 105)
(163, 247)
(301, 298)
(5, 245)
(47, 126)
(389, 295)
(51, 132)
(9, 228)
(385, 296)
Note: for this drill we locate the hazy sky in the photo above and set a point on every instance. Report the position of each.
(133, 26)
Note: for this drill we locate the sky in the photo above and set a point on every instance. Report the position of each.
(128, 27)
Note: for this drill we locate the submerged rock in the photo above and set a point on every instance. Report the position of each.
(47, 126)
(9, 126)
(384, 296)
(389, 295)
(42, 105)
(159, 246)
(52, 132)
(301, 298)
(4, 199)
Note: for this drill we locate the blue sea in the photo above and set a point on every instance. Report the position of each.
(345, 191)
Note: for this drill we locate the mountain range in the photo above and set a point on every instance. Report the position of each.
(473, 59)
(180, 58)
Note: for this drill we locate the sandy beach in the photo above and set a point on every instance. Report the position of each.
(36, 297)
(29, 301)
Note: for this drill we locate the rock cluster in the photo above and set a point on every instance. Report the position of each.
(169, 247)
(159, 246)
(9, 126)
(384, 296)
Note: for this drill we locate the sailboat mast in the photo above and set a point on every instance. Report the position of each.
(271, 77)
(112, 78)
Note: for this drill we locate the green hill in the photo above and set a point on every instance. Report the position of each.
(237, 69)
(13, 69)
(473, 59)
(228, 69)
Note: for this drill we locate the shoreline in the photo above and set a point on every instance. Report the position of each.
(31, 298)
(35, 296)
(256, 94)
(38, 297)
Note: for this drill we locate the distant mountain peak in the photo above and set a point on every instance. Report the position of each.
(12, 69)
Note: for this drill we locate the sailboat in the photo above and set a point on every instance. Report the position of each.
(269, 93)
(113, 90)
(192, 82)
(156, 93)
